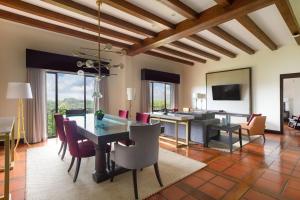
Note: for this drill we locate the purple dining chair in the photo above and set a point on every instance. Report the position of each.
(142, 117)
(78, 150)
(123, 114)
(59, 123)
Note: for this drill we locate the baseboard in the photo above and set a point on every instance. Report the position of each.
(273, 131)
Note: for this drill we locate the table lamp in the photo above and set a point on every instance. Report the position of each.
(20, 91)
(200, 96)
(130, 98)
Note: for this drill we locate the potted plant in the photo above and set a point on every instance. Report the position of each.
(99, 114)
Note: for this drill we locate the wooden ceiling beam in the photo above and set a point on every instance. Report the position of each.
(288, 15)
(194, 50)
(138, 12)
(180, 8)
(209, 18)
(224, 3)
(118, 35)
(58, 29)
(250, 25)
(181, 54)
(164, 56)
(199, 40)
(32, 9)
(91, 13)
(230, 39)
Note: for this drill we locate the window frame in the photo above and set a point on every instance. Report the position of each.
(56, 93)
(151, 87)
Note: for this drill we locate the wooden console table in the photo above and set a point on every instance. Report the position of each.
(175, 119)
(7, 134)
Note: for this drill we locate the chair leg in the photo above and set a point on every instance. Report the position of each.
(157, 174)
(112, 174)
(64, 151)
(108, 160)
(249, 136)
(77, 169)
(135, 184)
(61, 147)
(264, 138)
(71, 164)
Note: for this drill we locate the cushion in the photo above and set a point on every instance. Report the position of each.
(252, 117)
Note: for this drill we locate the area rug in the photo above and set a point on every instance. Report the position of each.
(47, 177)
(221, 144)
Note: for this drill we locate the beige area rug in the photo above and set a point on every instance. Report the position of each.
(222, 143)
(47, 177)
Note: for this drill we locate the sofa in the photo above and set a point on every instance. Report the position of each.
(198, 127)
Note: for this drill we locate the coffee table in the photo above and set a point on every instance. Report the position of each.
(229, 128)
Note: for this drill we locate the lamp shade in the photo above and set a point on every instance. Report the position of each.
(200, 96)
(130, 94)
(18, 90)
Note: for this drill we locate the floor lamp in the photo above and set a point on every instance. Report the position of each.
(19, 91)
(130, 98)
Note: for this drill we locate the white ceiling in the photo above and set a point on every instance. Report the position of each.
(268, 19)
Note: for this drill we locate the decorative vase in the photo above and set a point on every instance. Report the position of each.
(100, 116)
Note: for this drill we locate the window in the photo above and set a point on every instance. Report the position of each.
(67, 91)
(161, 96)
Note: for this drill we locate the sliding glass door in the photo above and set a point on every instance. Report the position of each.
(66, 91)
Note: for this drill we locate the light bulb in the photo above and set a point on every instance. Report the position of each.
(89, 63)
(79, 63)
(80, 73)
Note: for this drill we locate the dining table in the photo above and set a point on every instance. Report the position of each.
(102, 132)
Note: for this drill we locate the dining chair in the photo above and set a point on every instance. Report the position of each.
(60, 131)
(256, 126)
(142, 117)
(78, 149)
(142, 154)
(123, 114)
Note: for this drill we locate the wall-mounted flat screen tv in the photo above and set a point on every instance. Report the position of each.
(226, 92)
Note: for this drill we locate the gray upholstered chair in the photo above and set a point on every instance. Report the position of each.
(142, 154)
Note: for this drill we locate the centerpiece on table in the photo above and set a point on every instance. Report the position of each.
(99, 114)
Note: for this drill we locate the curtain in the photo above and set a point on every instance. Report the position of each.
(36, 107)
(176, 96)
(102, 103)
(145, 96)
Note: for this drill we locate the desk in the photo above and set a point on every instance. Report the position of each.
(6, 133)
(176, 119)
(229, 128)
(109, 129)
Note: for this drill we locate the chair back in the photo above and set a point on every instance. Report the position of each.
(123, 114)
(257, 125)
(146, 140)
(142, 117)
(59, 124)
(72, 137)
(75, 112)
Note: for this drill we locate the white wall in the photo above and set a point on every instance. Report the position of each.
(266, 67)
(291, 95)
(15, 38)
(240, 77)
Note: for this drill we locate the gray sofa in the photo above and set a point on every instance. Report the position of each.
(198, 129)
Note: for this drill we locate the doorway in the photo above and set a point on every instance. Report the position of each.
(289, 97)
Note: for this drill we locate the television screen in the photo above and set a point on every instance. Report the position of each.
(226, 92)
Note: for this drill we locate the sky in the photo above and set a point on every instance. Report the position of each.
(69, 86)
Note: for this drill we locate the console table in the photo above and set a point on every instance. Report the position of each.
(229, 128)
(175, 119)
(6, 134)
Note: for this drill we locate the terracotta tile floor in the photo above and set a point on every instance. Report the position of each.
(257, 172)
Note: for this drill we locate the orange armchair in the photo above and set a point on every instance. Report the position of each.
(255, 127)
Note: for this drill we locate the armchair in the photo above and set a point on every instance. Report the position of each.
(255, 127)
(142, 154)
